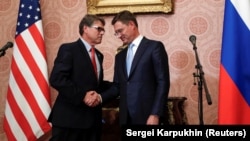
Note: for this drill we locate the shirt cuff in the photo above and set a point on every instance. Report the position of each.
(100, 98)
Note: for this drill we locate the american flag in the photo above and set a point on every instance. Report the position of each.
(28, 99)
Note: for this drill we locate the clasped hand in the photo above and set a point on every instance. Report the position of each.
(92, 99)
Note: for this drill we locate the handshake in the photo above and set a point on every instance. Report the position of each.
(92, 99)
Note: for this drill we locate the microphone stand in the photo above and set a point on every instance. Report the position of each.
(2, 53)
(201, 82)
(5, 47)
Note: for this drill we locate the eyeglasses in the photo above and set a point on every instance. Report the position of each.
(118, 32)
(99, 29)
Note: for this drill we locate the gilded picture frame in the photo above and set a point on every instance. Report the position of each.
(100, 7)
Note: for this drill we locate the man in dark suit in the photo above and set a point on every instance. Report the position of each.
(144, 88)
(72, 76)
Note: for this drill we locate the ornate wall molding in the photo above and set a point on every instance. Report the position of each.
(135, 6)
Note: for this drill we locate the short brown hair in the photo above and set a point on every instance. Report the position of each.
(88, 20)
(125, 16)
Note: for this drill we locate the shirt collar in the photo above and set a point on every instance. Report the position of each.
(86, 44)
(137, 40)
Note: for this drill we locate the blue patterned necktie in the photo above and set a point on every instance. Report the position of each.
(130, 56)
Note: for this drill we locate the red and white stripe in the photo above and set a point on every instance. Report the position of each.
(28, 98)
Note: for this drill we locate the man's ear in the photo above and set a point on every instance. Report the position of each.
(131, 24)
(85, 28)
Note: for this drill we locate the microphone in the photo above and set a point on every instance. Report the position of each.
(6, 46)
(192, 39)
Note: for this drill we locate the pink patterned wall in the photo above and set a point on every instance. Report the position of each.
(203, 18)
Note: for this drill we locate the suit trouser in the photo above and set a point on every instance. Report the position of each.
(75, 134)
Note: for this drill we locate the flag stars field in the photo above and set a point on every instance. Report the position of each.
(28, 96)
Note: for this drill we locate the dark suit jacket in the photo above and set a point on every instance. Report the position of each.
(146, 89)
(72, 76)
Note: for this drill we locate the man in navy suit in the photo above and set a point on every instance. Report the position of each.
(144, 89)
(72, 76)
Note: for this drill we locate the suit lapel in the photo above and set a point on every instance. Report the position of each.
(122, 54)
(100, 60)
(87, 58)
(140, 50)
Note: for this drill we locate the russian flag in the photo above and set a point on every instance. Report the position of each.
(234, 80)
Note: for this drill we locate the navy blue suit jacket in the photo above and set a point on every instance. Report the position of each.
(72, 76)
(145, 90)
